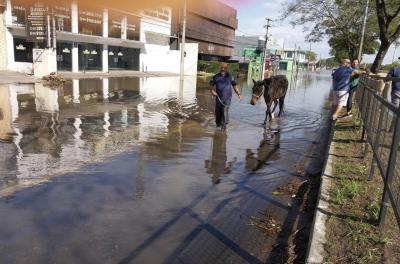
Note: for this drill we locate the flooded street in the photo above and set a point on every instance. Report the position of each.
(130, 170)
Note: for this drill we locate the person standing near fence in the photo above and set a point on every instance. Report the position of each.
(341, 87)
(395, 73)
(221, 87)
(354, 80)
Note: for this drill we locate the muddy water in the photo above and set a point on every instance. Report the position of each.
(135, 171)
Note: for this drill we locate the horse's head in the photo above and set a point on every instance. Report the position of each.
(259, 88)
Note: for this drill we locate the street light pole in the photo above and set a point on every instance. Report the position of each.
(265, 48)
(360, 51)
(182, 70)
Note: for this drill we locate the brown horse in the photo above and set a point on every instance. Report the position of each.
(274, 90)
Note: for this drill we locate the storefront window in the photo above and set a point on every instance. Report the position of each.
(133, 27)
(114, 24)
(19, 9)
(22, 50)
(64, 56)
(90, 22)
(90, 57)
(123, 58)
(62, 15)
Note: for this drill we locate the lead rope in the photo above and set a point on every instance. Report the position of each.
(219, 99)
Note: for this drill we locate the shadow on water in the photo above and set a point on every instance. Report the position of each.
(135, 158)
(218, 165)
(267, 151)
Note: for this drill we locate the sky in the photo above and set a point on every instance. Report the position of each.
(252, 14)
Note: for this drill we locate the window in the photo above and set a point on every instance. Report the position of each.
(22, 50)
(90, 22)
(19, 11)
(133, 27)
(64, 56)
(90, 57)
(114, 24)
(160, 13)
(123, 58)
(62, 15)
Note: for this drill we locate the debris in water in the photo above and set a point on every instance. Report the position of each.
(267, 223)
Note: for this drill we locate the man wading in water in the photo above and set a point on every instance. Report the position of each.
(221, 87)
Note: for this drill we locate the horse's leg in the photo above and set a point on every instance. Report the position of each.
(275, 105)
(268, 112)
(273, 110)
(281, 105)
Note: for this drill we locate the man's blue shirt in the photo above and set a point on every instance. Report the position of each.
(395, 73)
(223, 84)
(341, 78)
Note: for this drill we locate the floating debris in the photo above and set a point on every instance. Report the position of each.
(267, 223)
(290, 188)
(53, 80)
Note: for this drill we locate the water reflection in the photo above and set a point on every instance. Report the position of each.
(47, 131)
(267, 151)
(217, 165)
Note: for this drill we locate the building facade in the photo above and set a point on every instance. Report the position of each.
(73, 36)
(292, 59)
(210, 24)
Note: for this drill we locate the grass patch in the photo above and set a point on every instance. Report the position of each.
(348, 191)
(351, 231)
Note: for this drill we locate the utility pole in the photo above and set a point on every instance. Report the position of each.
(396, 45)
(360, 51)
(265, 47)
(182, 71)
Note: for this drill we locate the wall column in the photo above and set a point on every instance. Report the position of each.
(105, 34)
(9, 40)
(74, 29)
(124, 27)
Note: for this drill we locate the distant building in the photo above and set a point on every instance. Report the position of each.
(248, 48)
(212, 25)
(290, 55)
(75, 36)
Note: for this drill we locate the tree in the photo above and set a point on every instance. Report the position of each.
(340, 49)
(339, 20)
(311, 55)
(388, 15)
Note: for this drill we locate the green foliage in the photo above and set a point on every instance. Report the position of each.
(311, 55)
(341, 21)
(387, 67)
(328, 63)
(213, 67)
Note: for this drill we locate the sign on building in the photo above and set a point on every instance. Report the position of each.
(36, 23)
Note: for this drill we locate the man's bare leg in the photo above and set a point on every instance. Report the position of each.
(336, 112)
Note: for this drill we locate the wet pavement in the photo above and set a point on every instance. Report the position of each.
(128, 170)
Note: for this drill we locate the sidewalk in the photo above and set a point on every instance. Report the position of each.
(7, 77)
(345, 229)
(98, 74)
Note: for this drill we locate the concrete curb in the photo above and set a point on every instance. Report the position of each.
(316, 251)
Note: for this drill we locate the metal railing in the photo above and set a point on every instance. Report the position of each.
(381, 130)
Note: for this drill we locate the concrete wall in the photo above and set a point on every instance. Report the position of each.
(162, 59)
(3, 50)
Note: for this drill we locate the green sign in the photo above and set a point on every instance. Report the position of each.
(251, 52)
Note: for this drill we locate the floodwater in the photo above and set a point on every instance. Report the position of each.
(135, 171)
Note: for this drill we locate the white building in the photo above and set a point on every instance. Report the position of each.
(290, 53)
(88, 38)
